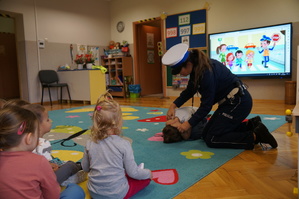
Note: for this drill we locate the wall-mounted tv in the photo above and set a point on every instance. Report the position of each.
(255, 52)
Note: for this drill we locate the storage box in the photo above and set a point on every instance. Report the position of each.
(134, 95)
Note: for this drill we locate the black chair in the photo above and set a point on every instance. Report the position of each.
(49, 79)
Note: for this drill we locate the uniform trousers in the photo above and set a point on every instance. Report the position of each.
(225, 129)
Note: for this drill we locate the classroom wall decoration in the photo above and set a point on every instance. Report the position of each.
(189, 28)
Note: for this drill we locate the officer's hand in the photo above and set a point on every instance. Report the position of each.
(184, 127)
(171, 112)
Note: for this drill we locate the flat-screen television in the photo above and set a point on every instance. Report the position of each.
(255, 52)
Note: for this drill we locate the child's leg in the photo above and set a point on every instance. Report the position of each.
(135, 186)
(72, 191)
(66, 170)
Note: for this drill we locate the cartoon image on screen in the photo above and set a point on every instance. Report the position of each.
(264, 51)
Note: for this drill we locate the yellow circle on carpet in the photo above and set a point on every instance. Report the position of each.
(130, 117)
(66, 155)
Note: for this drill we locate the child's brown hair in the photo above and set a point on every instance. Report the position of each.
(2, 102)
(15, 122)
(107, 118)
(15, 102)
(171, 134)
(37, 109)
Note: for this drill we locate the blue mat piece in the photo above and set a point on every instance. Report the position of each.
(176, 166)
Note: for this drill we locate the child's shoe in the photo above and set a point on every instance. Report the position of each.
(78, 177)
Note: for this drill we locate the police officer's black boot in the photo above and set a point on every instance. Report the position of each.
(264, 136)
(254, 122)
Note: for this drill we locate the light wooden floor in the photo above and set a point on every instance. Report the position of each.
(255, 174)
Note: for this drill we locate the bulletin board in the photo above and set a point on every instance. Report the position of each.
(189, 28)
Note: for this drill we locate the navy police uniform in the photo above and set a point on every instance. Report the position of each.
(225, 128)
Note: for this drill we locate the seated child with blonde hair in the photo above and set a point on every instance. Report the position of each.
(172, 134)
(24, 174)
(66, 170)
(109, 159)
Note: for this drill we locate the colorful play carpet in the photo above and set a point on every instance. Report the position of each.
(175, 166)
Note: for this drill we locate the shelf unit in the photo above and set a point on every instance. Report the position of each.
(119, 70)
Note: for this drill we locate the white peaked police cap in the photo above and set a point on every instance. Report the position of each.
(176, 55)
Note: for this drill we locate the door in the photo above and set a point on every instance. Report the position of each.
(9, 78)
(148, 65)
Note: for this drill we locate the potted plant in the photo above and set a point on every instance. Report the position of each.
(79, 61)
(89, 60)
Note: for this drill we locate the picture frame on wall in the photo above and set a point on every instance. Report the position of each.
(150, 40)
(150, 56)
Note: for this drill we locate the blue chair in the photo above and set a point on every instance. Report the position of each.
(49, 79)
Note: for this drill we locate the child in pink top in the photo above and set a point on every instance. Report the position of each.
(24, 174)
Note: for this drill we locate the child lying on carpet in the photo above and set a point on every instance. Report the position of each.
(68, 172)
(172, 134)
(25, 174)
(109, 159)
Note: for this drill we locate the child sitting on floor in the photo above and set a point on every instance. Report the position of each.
(109, 159)
(172, 134)
(66, 170)
(24, 174)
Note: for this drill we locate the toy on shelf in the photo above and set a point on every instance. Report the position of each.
(125, 48)
(111, 45)
(289, 120)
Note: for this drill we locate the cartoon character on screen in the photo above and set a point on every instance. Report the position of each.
(220, 50)
(229, 59)
(249, 58)
(239, 60)
(265, 42)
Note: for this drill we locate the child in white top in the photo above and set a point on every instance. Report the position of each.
(25, 174)
(172, 134)
(109, 159)
(44, 148)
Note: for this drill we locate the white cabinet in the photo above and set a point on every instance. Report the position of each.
(84, 85)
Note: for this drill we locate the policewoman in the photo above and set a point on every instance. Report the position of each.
(216, 84)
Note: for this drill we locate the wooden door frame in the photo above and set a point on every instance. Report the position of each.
(21, 54)
(136, 32)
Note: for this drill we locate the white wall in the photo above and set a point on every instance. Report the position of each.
(93, 22)
(74, 21)
(61, 22)
(222, 15)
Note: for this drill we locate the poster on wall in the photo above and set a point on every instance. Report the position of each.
(150, 57)
(180, 81)
(188, 28)
(95, 51)
(185, 40)
(150, 40)
(81, 49)
(191, 24)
